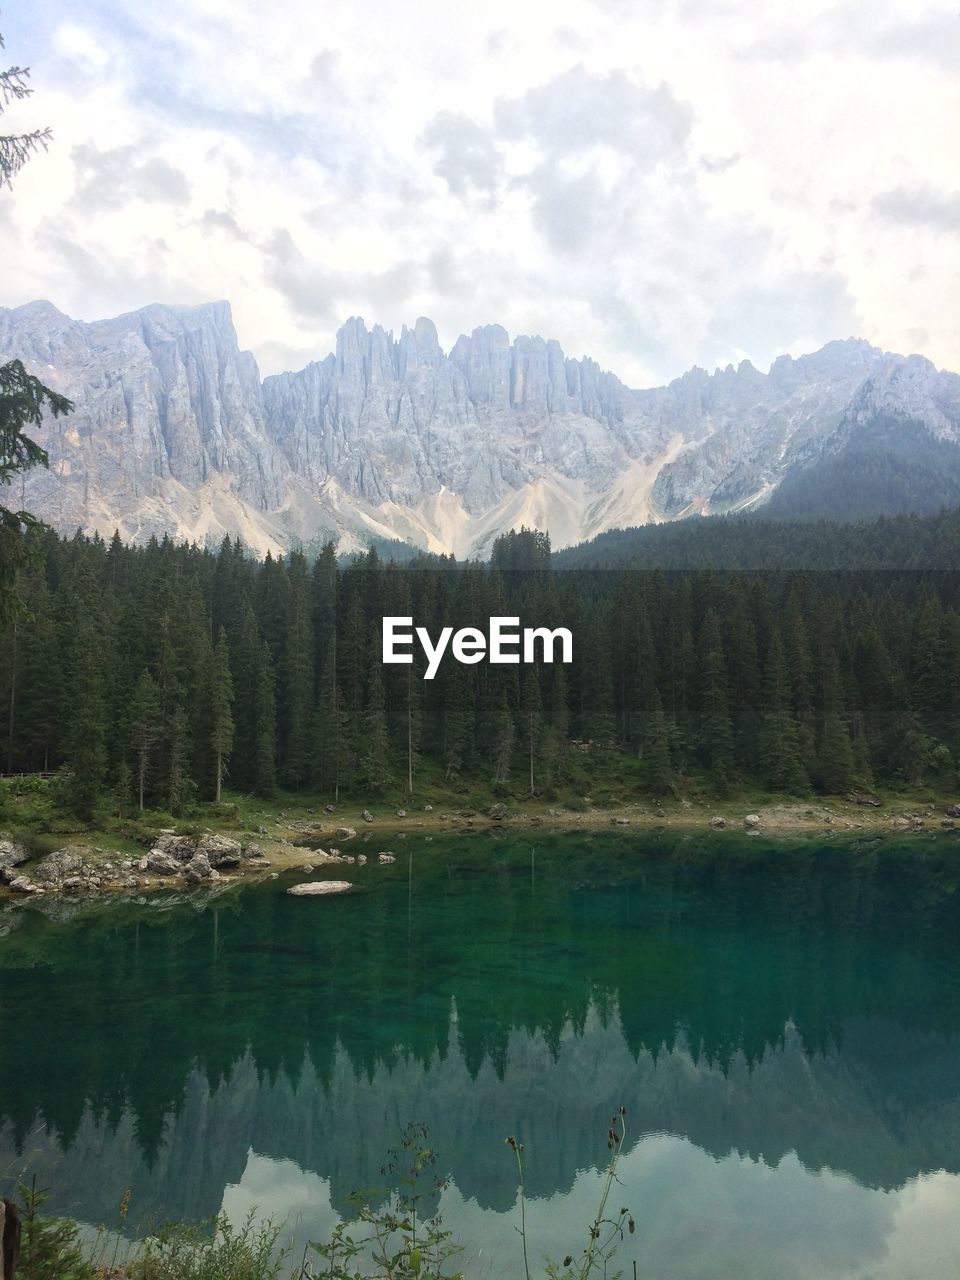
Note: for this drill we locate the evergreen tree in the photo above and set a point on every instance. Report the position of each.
(50, 1248)
(414, 723)
(780, 753)
(374, 751)
(122, 789)
(503, 737)
(246, 668)
(145, 727)
(265, 726)
(23, 401)
(836, 752)
(656, 747)
(85, 735)
(716, 731)
(330, 764)
(298, 680)
(221, 703)
(531, 715)
(180, 787)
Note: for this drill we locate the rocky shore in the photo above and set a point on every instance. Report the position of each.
(81, 868)
(175, 860)
(172, 861)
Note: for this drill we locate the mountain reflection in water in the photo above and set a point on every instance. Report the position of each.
(782, 1023)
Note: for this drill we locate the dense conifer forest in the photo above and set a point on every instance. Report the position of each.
(155, 676)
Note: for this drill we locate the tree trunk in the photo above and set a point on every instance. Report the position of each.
(219, 775)
(143, 772)
(13, 699)
(409, 738)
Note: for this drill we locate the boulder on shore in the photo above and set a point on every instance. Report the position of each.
(198, 868)
(345, 833)
(752, 821)
(497, 812)
(182, 848)
(718, 823)
(320, 888)
(162, 864)
(865, 798)
(12, 853)
(220, 851)
(57, 867)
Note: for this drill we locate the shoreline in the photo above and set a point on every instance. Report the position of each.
(307, 841)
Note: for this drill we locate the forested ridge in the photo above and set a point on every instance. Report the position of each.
(153, 674)
(754, 540)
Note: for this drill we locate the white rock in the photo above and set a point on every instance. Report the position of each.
(320, 888)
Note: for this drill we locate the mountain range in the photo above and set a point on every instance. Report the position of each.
(389, 437)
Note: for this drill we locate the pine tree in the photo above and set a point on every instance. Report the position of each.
(835, 757)
(145, 727)
(122, 789)
(503, 737)
(40, 680)
(86, 727)
(457, 718)
(330, 763)
(414, 723)
(265, 726)
(780, 752)
(17, 148)
(50, 1248)
(716, 731)
(221, 705)
(374, 752)
(245, 666)
(531, 715)
(23, 401)
(298, 680)
(656, 747)
(180, 787)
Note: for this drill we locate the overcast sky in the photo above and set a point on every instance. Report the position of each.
(654, 184)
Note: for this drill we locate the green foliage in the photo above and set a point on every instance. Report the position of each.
(396, 1238)
(212, 1250)
(886, 466)
(181, 669)
(49, 1247)
(604, 1234)
(23, 401)
(221, 710)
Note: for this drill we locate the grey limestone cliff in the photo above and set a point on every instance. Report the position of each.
(391, 436)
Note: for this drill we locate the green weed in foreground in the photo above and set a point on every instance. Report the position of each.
(211, 1251)
(395, 1241)
(605, 1232)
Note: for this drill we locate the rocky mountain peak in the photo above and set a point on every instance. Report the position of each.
(393, 437)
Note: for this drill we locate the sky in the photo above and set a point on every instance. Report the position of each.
(656, 185)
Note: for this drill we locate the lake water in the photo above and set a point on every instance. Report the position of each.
(781, 1021)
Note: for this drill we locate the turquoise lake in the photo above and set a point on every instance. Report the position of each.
(780, 1019)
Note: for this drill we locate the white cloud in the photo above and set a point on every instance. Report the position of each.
(652, 184)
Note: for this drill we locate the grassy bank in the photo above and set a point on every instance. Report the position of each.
(604, 792)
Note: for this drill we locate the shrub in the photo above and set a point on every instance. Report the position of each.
(49, 1247)
(211, 1250)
